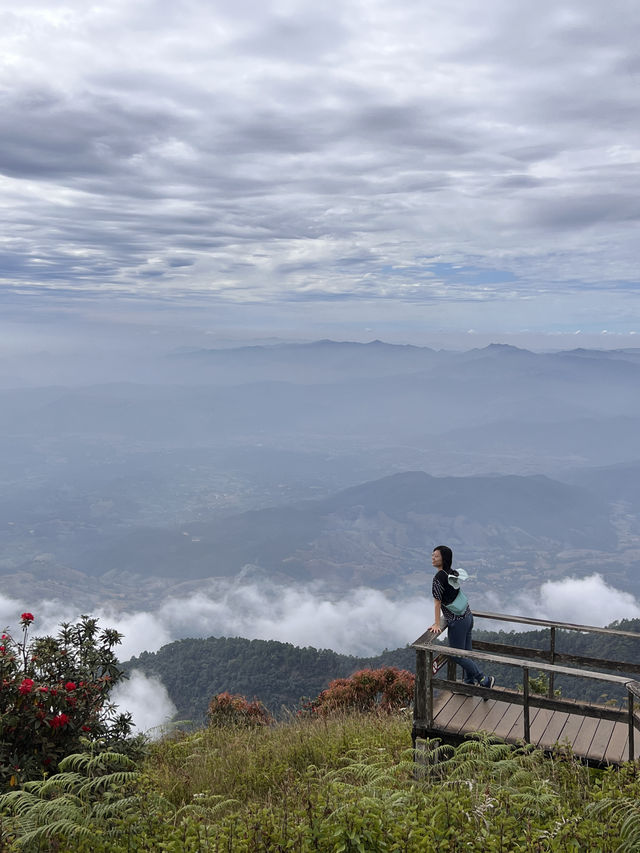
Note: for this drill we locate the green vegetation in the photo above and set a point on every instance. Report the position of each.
(338, 776)
(340, 783)
(54, 698)
(280, 674)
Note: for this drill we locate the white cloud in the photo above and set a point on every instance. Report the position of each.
(146, 699)
(581, 601)
(362, 622)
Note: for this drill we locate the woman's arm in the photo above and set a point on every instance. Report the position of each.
(436, 617)
(437, 592)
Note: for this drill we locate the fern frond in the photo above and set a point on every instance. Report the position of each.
(533, 802)
(65, 807)
(101, 783)
(209, 810)
(62, 828)
(102, 811)
(504, 767)
(59, 782)
(90, 765)
(18, 802)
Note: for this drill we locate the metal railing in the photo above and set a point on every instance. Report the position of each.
(430, 657)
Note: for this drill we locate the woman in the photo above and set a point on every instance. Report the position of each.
(459, 626)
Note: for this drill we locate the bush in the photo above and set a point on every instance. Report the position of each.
(387, 689)
(226, 709)
(54, 697)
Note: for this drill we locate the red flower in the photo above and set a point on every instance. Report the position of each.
(27, 618)
(58, 721)
(1, 648)
(43, 689)
(26, 686)
(70, 685)
(86, 728)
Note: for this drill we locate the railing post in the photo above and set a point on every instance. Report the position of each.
(451, 669)
(429, 690)
(525, 684)
(553, 659)
(420, 692)
(631, 724)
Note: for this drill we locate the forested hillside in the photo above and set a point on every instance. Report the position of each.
(280, 675)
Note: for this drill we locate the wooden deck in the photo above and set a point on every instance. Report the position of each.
(596, 741)
(450, 710)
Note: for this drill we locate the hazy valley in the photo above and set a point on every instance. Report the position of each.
(329, 464)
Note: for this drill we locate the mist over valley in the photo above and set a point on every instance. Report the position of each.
(332, 463)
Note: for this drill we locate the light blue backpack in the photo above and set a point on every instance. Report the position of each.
(460, 602)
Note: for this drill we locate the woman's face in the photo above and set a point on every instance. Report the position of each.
(436, 559)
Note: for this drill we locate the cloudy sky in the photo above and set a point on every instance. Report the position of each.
(381, 168)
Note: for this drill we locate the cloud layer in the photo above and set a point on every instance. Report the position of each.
(362, 623)
(441, 155)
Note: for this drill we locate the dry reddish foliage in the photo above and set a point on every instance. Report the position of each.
(227, 709)
(386, 689)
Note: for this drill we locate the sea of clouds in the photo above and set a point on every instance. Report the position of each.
(363, 622)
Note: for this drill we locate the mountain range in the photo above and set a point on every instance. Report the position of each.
(332, 461)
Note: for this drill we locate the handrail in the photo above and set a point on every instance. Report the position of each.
(449, 651)
(426, 648)
(544, 623)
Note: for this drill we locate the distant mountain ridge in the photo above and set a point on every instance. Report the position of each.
(374, 533)
(211, 463)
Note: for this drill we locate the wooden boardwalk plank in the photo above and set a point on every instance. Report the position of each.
(508, 722)
(618, 748)
(601, 740)
(570, 729)
(537, 723)
(441, 719)
(476, 722)
(460, 720)
(551, 734)
(495, 715)
(440, 699)
(584, 736)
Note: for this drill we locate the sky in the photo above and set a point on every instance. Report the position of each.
(414, 171)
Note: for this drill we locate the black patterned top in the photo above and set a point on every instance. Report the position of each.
(442, 591)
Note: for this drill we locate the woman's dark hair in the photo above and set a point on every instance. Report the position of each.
(447, 559)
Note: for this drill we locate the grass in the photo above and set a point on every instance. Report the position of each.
(342, 784)
(254, 764)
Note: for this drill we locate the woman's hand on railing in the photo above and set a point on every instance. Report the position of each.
(435, 628)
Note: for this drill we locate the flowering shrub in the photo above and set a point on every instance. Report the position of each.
(226, 709)
(53, 693)
(387, 689)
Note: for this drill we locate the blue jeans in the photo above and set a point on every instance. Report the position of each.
(459, 633)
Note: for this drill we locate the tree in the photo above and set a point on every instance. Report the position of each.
(54, 694)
